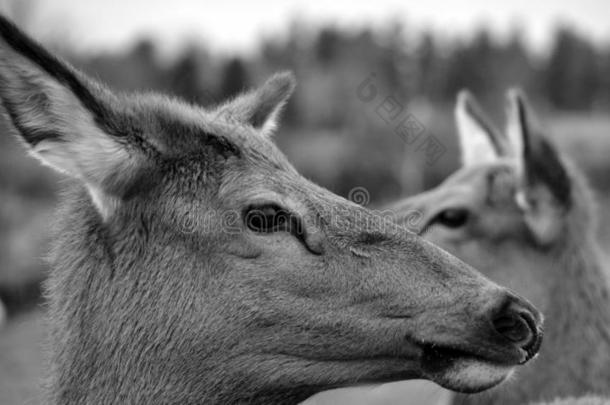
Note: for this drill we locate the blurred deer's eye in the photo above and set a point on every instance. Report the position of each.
(267, 218)
(452, 218)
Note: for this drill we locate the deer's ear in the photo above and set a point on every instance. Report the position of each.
(260, 108)
(545, 192)
(480, 141)
(59, 114)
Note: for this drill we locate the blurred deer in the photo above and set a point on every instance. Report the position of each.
(193, 264)
(524, 216)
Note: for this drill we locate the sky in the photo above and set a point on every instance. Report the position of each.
(236, 26)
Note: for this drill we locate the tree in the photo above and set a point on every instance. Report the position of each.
(327, 45)
(573, 76)
(184, 78)
(234, 78)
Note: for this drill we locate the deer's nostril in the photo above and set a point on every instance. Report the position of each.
(514, 327)
(518, 325)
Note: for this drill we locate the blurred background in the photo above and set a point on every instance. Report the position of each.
(373, 109)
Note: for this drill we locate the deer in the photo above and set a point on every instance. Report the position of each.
(192, 263)
(522, 213)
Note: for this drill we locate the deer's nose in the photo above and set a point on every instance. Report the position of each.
(520, 323)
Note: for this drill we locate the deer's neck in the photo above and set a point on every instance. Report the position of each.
(574, 359)
(578, 317)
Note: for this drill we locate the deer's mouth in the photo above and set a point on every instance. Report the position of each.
(467, 371)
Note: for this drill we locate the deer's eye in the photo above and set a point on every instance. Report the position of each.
(267, 218)
(452, 218)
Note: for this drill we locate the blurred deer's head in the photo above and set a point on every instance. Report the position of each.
(194, 264)
(510, 205)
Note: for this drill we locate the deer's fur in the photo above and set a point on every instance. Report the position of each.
(193, 264)
(528, 222)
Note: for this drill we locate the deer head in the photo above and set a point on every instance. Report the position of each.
(511, 205)
(193, 264)
(526, 217)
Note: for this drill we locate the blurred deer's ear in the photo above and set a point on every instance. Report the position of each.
(480, 141)
(260, 108)
(60, 116)
(545, 192)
